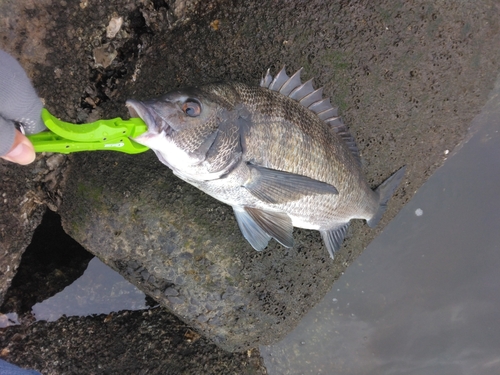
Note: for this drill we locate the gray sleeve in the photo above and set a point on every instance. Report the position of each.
(19, 102)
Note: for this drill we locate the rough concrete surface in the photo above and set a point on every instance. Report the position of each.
(150, 342)
(25, 192)
(408, 77)
(184, 249)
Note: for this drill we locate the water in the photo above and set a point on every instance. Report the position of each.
(423, 298)
(100, 290)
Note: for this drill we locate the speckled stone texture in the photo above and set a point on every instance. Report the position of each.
(25, 192)
(184, 249)
(151, 342)
(408, 77)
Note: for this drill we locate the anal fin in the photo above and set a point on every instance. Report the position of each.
(333, 238)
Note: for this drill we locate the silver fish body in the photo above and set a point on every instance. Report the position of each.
(278, 154)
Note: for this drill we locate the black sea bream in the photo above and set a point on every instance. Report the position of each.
(278, 154)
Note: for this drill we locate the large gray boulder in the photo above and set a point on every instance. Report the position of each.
(184, 249)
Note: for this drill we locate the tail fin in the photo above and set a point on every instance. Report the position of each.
(385, 191)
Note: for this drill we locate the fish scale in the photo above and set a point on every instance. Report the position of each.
(278, 153)
(323, 156)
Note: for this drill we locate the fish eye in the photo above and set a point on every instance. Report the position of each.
(191, 108)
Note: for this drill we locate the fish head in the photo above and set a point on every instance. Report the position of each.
(181, 126)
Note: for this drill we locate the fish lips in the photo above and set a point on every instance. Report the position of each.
(153, 113)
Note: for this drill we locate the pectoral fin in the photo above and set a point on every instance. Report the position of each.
(273, 186)
(333, 238)
(275, 224)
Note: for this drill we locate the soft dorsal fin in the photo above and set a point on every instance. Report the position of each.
(312, 99)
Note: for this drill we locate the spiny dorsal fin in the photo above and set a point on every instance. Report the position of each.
(312, 99)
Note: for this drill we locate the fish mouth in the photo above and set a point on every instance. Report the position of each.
(155, 123)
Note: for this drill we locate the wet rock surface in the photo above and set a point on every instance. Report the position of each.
(25, 192)
(408, 77)
(184, 249)
(52, 261)
(150, 342)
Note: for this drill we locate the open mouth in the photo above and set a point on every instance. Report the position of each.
(146, 111)
(141, 110)
(131, 109)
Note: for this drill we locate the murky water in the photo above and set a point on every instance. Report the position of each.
(423, 298)
(100, 290)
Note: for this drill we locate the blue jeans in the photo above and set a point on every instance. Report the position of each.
(9, 369)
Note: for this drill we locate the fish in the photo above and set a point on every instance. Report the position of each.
(278, 153)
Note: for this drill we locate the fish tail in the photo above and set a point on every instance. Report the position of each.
(385, 191)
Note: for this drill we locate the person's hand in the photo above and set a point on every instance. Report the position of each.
(19, 104)
(22, 151)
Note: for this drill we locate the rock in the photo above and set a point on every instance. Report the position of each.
(149, 342)
(114, 26)
(50, 263)
(25, 194)
(20, 214)
(184, 249)
(55, 161)
(104, 56)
